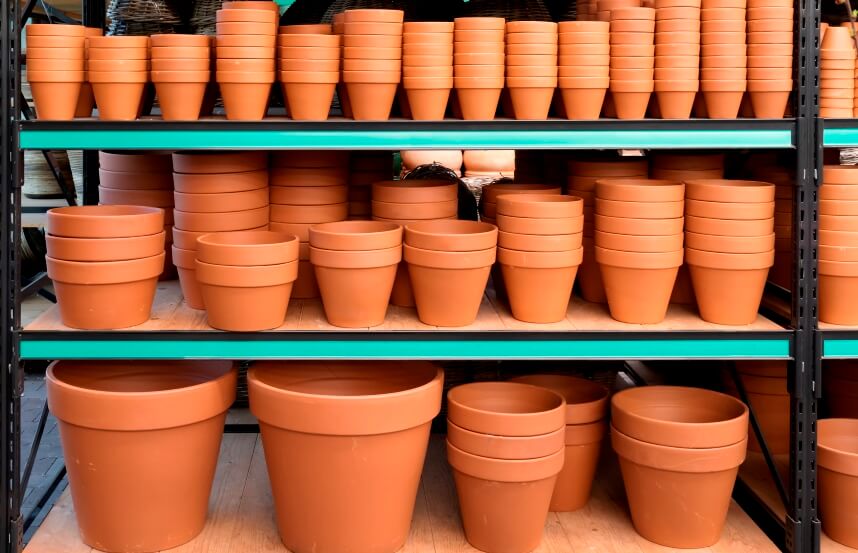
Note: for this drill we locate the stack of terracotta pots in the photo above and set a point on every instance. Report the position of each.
(366, 168)
(246, 278)
(581, 182)
(245, 60)
(55, 68)
(478, 65)
(840, 388)
(372, 68)
(770, 76)
(404, 202)
(539, 251)
(490, 193)
(307, 188)
(632, 60)
(154, 430)
(505, 444)
(765, 384)
(338, 28)
(838, 478)
(586, 411)
(680, 451)
(638, 238)
(355, 264)
(180, 71)
(309, 72)
(730, 246)
(723, 74)
(494, 164)
(605, 7)
(584, 62)
(427, 67)
(337, 434)
(531, 67)
(677, 57)
(837, 73)
(449, 263)
(144, 179)
(214, 192)
(838, 248)
(118, 70)
(104, 262)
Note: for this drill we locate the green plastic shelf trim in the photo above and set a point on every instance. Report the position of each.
(54, 139)
(840, 137)
(458, 347)
(844, 348)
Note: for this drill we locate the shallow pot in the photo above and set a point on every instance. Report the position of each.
(104, 249)
(247, 248)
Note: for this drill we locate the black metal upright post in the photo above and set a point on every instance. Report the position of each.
(93, 16)
(11, 380)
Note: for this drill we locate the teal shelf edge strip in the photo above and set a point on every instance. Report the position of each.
(840, 138)
(34, 139)
(846, 348)
(458, 348)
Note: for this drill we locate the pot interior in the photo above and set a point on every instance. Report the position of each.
(348, 379)
(138, 377)
(680, 405)
(504, 397)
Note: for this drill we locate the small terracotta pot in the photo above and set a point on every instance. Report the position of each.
(102, 221)
(727, 227)
(665, 485)
(545, 227)
(185, 261)
(724, 190)
(221, 222)
(635, 243)
(730, 210)
(448, 235)
(728, 287)
(549, 206)
(506, 409)
(247, 248)
(478, 98)
(414, 192)
(505, 447)
(308, 213)
(539, 284)
(640, 210)
(638, 285)
(98, 405)
(117, 101)
(104, 249)
(190, 183)
(582, 103)
(372, 417)
(221, 203)
(245, 100)
(631, 98)
(539, 243)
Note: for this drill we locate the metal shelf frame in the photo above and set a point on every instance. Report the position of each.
(800, 343)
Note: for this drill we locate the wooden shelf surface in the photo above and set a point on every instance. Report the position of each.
(241, 516)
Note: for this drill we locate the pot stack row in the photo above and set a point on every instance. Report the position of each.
(309, 70)
(838, 249)
(307, 188)
(181, 71)
(632, 61)
(837, 69)
(427, 68)
(222, 192)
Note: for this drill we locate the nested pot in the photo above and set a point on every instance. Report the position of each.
(104, 249)
(189, 183)
(728, 287)
(185, 261)
(837, 459)
(451, 235)
(548, 206)
(506, 408)
(152, 430)
(539, 283)
(105, 221)
(221, 222)
(505, 447)
(638, 285)
(219, 162)
(338, 433)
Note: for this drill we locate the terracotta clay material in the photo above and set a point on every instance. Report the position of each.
(550, 206)
(104, 249)
(373, 417)
(219, 162)
(414, 191)
(153, 198)
(102, 221)
(185, 261)
(730, 210)
(586, 401)
(492, 191)
(838, 287)
(640, 190)
(415, 211)
(544, 227)
(221, 222)
(505, 447)
(837, 478)
(639, 227)
(539, 284)
(224, 183)
(539, 243)
(728, 287)
(638, 285)
(678, 497)
(451, 235)
(731, 244)
(477, 98)
(641, 210)
(770, 400)
(98, 406)
(247, 248)
(355, 235)
(635, 243)
(221, 203)
(729, 227)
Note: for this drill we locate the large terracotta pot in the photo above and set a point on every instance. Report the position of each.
(336, 434)
(152, 430)
(678, 497)
(837, 459)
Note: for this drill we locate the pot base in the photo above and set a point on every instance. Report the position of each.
(531, 103)
(723, 105)
(728, 297)
(57, 101)
(371, 101)
(448, 297)
(305, 287)
(190, 288)
(85, 101)
(638, 296)
(245, 101)
(631, 105)
(589, 277)
(402, 295)
(769, 105)
(308, 101)
(539, 295)
(118, 101)
(105, 306)
(181, 101)
(675, 104)
(572, 490)
(246, 309)
(355, 298)
(837, 296)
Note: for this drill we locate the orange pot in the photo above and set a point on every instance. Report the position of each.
(728, 287)
(638, 285)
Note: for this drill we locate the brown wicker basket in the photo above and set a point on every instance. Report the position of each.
(408, 6)
(146, 17)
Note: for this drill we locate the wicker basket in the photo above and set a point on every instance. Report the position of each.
(410, 7)
(147, 17)
(435, 171)
(511, 10)
(202, 21)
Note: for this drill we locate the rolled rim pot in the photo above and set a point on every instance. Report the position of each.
(125, 418)
(373, 417)
(640, 190)
(224, 183)
(730, 244)
(586, 401)
(539, 243)
(539, 283)
(641, 210)
(728, 227)
(678, 416)
(104, 249)
(355, 235)
(548, 206)
(491, 192)
(505, 447)
(414, 211)
(451, 235)
(730, 210)
(221, 222)
(105, 221)
(506, 408)
(247, 248)
(537, 226)
(639, 227)
(728, 191)
(635, 243)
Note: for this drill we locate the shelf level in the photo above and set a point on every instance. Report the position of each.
(241, 516)
(588, 332)
(216, 133)
(840, 133)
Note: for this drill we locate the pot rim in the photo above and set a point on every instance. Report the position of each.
(586, 400)
(833, 457)
(509, 441)
(505, 470)
(678, 459)
(466, 231)
(488, 421)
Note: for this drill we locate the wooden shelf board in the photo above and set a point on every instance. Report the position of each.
(241, 515)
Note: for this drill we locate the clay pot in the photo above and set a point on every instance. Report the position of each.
(505, 409)
(770, 400)
(247, 248)
(105, 221)
(638, 227)
(185, 261)
(219, 162)
(638, 285)
(225, 183)
(678, 497)
(105, 295)
(505, 447)
(631, 98)
(728, 287)
(838, 285)
(448, 235)
(641, 210)
(586, 401)
(124, 418)
(245, 95)
(728, 227)
(371, 417)
(837, 472)
(539, 284)
(541, 227)
(104, 249)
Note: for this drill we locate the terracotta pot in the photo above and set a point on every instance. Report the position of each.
(653, 275)
(308, 213)
(371, 417)
(631, 97)
(638, 227)
(221, 203)
(505, 447)
(132, 497)
(586, 401)
(414, 192)
(219, 162)
(770, 400)
(730, 210)
(448, 235)
(728, 227)
(245, 100)
(355, 235)
(539, 243)
(102, 221)
(118, 101)
(247, 248)
(185, 261)
(542, 227)
(728, 287)
(104, 249)
(582, 103)
(678, 497)
(635, 243)
(189, 183)
(837, 472)
(308, 195)
(539, 284)
(729, 191)
(641, 210)
(309, 176)
(505, 409)
(730, 244)
(221, 222)
(153, 198)
(414, 211)
(640, 190)
(105, 295)
(549, 206)
(491, 192)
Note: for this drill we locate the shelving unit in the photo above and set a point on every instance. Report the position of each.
(177, 332)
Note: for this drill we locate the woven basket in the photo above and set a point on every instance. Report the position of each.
(511, 10)
(436, 171)
(146, 17)
(39, 181)
(202, 21)
(410, 7)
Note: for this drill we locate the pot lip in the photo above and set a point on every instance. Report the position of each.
(504, 462)
(375, 228)
(519, 439)
(708, 455)
(225, 239)
(841, 456)
(512, 386)
(439, 228)
(597, 393)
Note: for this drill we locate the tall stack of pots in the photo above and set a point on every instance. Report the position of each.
(55, 68)
(141, 442)
(427, 67)
(505, 444)
(309, 66)
(770, 29)
(181, 72)
(765, 383)
(837, 462)
(217, 192)
(104, 262)
(583, 67)
(478, 65)
(531, 67)
(366, 168)
(638, 243)
(586, 426)
(118, 70)
(680, 451)
(730, 246)
(307, 188)
(632, 60)
(336, 434)
(448, 263)
(838, 229)
(372, 68)
(677, 57)
(837, 73)
(355, 265)
(245, 60)
(539, 251)
(404, 202)
(723, 61)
